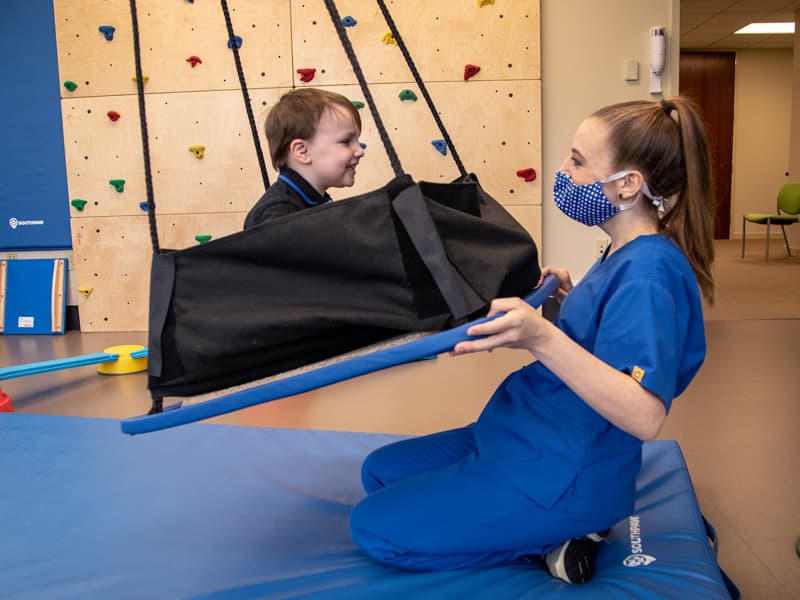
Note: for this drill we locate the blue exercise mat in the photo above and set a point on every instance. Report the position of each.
(213, 511)
(316, 376)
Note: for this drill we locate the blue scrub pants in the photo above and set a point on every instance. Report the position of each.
(435, 504)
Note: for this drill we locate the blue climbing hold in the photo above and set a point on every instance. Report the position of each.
(363, 145)
(349, 22)
(238, 42)
(441, 146)
(143, 206)
(107, 31)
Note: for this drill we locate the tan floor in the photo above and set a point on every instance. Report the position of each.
(737, 423)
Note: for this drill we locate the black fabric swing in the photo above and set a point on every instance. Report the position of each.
(312, 285)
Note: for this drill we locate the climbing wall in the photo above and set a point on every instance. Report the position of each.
(479, 59)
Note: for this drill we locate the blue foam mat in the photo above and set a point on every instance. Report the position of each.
(325, 375)
(224, 512)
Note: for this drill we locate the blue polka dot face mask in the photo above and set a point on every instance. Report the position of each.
(587, 204)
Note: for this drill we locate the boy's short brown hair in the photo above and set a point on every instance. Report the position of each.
(297, 115)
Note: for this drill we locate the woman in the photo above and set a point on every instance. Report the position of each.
(551, 462)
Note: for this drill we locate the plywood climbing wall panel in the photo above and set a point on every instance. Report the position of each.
(493, 116)
(170, 34)
(442, 37)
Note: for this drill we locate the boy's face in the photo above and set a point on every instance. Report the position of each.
(333, 152)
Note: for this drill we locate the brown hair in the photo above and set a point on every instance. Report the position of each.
(297, 115)
(672, 154)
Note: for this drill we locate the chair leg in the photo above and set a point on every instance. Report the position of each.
(786, 241)
(744, 226)
(768, 224)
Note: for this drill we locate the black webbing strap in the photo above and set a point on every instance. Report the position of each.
(362, 82)
(148, 174)
(243, 84)
(421, 84)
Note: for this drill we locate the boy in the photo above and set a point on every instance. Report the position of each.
(313, 138)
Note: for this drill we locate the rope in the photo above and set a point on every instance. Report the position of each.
(240, 72)
(409, 61)
(348, 49)
(148, 175)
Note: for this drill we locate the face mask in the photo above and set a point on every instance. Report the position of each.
(587, 204)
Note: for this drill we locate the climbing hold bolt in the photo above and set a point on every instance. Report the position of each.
(78, 203)
(194, 61)
(408, 95)
(107, 31)
(198, 151)
(527, 174)
(306, 75)
(113, 115)
(470, 71)
(86, 291)
(238, 42)
(143, 206)
(388, 38)
(70, 85)
(202, 238)
(119, 184)
(441, 146)
(349, 22)
(358, 104)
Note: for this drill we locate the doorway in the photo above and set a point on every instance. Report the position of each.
(708, 78)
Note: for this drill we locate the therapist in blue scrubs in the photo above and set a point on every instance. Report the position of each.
(550, 464)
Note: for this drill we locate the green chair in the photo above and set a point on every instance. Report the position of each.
(788, 205)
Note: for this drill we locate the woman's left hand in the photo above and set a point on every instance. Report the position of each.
(520, 327)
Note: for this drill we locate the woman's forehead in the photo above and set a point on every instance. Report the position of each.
(591, 138)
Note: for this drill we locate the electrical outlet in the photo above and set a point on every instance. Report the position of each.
(600, 247)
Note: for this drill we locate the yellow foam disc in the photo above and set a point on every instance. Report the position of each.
(125, 363)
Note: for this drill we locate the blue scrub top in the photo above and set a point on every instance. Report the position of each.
(639, 310)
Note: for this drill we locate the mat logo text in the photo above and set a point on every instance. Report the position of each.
(637, 557)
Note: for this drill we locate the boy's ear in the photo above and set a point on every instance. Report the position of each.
(298, 149)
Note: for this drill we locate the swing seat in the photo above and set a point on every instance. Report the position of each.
(331, 279)
(221, 511)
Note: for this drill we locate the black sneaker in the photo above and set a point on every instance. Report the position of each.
(573, 561)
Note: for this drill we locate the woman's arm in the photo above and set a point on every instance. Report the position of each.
(610, 392)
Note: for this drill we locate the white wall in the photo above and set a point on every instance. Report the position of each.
(761, 133)
(585, 45)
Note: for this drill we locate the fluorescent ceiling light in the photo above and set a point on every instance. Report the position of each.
(768, 28)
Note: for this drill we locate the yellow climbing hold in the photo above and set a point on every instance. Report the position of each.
(482, 3)
(388, 38)
(125, 363)
(145, 79)
(86, 291)
(198, 151)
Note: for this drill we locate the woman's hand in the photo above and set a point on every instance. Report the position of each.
(565, 283)
(520, 327)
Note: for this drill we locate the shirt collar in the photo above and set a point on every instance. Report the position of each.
(304, 189)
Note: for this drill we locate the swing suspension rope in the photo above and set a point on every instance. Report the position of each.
(151, 204)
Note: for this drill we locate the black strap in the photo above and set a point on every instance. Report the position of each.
(421, 84)
(148, 175)
(461, 298)
(362, 82)
(243, 84)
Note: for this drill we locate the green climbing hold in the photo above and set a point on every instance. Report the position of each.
(119, 184)
(202, 238)
(358, 104)
(408, 95)
(78, 203)
(70, 85)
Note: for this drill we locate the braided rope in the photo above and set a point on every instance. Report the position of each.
(348, 49)
(243, 84)
(148, 174)
(410, 62)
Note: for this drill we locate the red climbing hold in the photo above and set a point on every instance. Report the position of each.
(194, 61)
(470, 71)
(306, 75)
(113, 115)
(527, 174)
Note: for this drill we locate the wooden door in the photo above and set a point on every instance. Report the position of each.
(708, 78)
